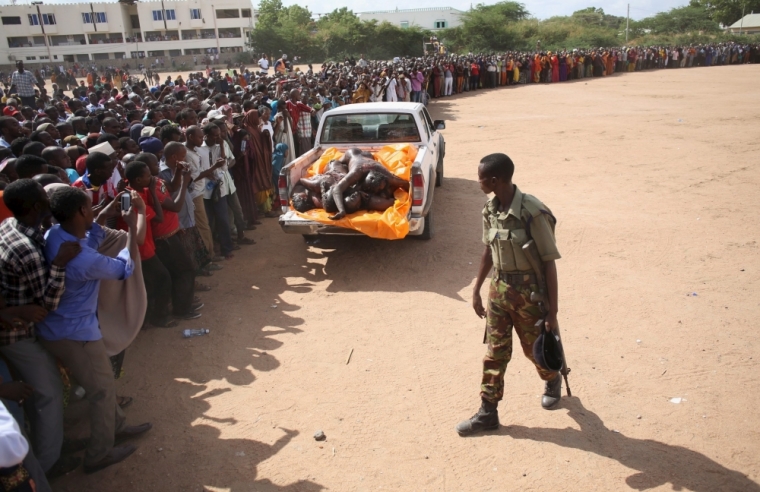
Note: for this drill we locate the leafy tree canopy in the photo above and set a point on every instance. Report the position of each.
(680, 20)
(727, 11)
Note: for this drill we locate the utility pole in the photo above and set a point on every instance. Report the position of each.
(744, 6)
(627, 19)
(42, 25)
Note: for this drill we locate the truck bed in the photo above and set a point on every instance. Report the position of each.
(292, 223)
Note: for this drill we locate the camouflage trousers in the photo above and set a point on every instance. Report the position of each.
(508, 306)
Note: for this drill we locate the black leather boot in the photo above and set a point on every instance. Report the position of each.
(486, 419)
(552, 392)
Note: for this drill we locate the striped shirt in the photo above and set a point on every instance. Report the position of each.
(24, 83)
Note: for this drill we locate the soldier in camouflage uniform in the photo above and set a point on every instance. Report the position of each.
(510, 219)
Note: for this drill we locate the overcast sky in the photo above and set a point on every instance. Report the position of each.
(538, 8)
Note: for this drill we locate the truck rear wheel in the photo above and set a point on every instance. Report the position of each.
(427, 231)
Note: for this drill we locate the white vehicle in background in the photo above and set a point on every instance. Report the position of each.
(371, 126)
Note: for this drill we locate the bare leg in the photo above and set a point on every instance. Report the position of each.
(379, 203)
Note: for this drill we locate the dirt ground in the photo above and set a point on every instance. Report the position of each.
(654, 179)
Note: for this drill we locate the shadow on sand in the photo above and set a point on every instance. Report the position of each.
(362, 264)
(657, 463)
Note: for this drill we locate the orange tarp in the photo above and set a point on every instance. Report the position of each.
(391, 224)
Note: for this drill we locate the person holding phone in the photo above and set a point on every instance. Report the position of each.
(71, 332)
(200, 169)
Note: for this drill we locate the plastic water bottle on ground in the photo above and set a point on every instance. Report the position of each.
(195, 333)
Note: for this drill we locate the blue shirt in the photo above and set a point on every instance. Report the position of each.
(77, 315)
(72, 174)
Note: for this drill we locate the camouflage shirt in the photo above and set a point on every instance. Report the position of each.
(506, 232)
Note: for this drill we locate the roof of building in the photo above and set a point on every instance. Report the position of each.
(425, 9)
(749, 20)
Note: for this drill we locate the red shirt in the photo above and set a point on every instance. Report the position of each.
(295, 110)
(171, 219)
(99, 194)
(148, 248)
(5, 212)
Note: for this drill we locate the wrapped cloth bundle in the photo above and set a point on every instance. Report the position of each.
(390, 224)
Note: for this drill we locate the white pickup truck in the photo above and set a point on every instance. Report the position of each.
(371, 126)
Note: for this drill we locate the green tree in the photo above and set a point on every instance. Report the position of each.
(681, 20)
(727, 11)
(485, 27)
(269, 12)
(283, 30)
(342, 33)
(596, 17)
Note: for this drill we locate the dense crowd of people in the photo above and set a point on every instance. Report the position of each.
(153, 183)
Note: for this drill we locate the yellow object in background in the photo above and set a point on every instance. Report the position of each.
(390, 224)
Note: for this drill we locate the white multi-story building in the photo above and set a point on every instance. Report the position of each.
(432, 18)
(54, 33)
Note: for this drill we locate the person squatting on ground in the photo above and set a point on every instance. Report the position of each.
(510, 219)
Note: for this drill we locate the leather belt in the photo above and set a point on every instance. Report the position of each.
(516, 278)
(167, 236)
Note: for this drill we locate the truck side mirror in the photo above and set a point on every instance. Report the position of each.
(439, 124)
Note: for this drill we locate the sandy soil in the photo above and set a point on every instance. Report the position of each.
(654, 179)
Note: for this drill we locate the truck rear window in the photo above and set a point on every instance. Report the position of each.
(374, 127)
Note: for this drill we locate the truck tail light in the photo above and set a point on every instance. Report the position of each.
(282, 184)
(418, 190)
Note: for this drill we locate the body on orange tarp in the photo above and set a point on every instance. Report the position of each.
(391, 224)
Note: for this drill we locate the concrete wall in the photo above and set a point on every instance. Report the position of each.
(423, 17)
(116, 35)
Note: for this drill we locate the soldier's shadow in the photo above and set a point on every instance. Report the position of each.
(657, 463)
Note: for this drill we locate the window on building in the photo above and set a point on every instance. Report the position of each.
(11, 21)
(100, 56)
(195, 13)
(170, 15)
(83, 58)
(440, 24)
(245, 13)
(33, 20)
(229, 32)
(44, 57)
(227, 13)
(158, 15)
(175, 52)
(100, 17)
(38, 40)
(404, 24)
(86, 18)
(156, 53)
(31, 58)
(48, 19)
(18, 42)
(119, 56)
(135, 19)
